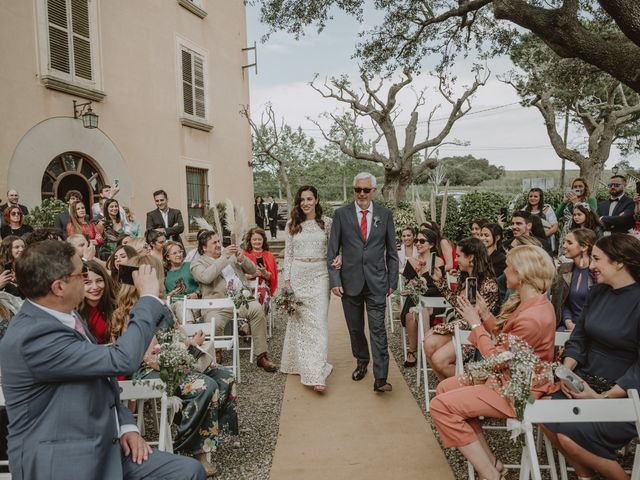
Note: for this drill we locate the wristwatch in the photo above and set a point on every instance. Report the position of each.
(475, 326)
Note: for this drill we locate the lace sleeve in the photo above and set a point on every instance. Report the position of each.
(288, 254)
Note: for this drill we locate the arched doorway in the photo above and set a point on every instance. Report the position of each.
(72, 171)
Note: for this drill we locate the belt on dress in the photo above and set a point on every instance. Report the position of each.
(310, 260)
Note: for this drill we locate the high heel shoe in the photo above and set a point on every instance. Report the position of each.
(407, 363)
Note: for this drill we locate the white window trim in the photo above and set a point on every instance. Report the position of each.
(194, 6)
(186, 119)
(53, 79)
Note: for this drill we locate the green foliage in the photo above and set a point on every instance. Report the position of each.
(477, 205)
(44, 215)
(404, 215)
(327, 209)
(468, 170)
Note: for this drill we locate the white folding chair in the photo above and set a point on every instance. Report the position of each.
(140, 393)
(224, 342)
(577, 411)
(390, 311)
(425, 302)
(4, 463)
(460, 338)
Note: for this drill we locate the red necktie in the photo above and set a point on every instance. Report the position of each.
(363, 225)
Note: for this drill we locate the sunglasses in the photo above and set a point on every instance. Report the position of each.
(19, 214)
(360, 190)
(422, 241)
(614, 185)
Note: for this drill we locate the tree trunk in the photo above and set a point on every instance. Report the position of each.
(396, 184)
(344, 187)
(591, 171)
(284, 179)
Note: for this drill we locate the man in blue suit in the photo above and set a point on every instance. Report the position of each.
(65, 415)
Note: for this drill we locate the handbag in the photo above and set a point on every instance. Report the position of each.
(205, 356)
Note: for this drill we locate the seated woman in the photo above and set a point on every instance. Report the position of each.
(528, 314)
(156, 241)
(209, 409)
(267, 272)
(426, 242)
(10, 249)
(571, 288)
(492, 239)
(121, 255)
(14, 223)
(584, 217)
(445, 247)
(178, 281)
(603, 351)
(506, 292)
(79, 225)
(408, 247)
(476, 225)
(472, 262)
(99, 301)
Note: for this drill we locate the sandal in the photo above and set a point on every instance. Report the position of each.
(319, 388)
(407, 363)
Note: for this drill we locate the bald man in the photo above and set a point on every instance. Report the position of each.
(12, 201)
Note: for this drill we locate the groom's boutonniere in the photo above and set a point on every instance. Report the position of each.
(376, 220)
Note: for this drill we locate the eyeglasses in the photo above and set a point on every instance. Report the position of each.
(360, 190)
(614, 185)
(422, 241)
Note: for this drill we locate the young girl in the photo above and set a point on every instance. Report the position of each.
(584, 217)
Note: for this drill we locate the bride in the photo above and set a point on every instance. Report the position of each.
(305, 272)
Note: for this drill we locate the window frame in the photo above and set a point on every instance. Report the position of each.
(68, 82)
(194, 6)
(187, 119)
(205, 172)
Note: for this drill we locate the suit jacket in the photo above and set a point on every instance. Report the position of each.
(271, 211)
(208, 273)
(174, 217)
(622, 219)
(61, 397)
(374, 261)
(61, 221)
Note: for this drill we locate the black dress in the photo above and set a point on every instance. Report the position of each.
(409, 273)
(499, 261)
(605, 342)
(6, 230)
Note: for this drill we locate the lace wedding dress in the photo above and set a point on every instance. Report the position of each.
(305, 342)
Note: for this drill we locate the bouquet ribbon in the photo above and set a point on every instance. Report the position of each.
(517, 428)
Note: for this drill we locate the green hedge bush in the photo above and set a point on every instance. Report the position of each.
(44, 215)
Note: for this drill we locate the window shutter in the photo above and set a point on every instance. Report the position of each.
(198, 81)
(81, 39)
(187, 82)
(58, 35)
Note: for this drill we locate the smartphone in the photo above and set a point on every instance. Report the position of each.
(472, 289)
(432, 265)
(115, 183)
(8, 266)
(260, 261)
(233, 239)
(504, 211)
(569, 379)
(125, 273)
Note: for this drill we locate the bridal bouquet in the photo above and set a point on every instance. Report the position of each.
(513, 373)
(415, 288)
(287, 302)
(240, 296)
(173, 359)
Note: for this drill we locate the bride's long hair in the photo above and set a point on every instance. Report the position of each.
(297, 216)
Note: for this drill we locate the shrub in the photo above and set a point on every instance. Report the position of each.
(44, 215)
(404, 215)
(477, 205)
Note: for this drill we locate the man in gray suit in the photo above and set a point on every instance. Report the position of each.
(65, 415)
(363, 233)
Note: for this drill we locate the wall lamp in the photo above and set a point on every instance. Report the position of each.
(84, 111)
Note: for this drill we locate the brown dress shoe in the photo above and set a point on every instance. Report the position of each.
(210, 469)
(264, 363)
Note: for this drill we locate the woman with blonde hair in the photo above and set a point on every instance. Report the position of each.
(527, 314)
(140, 245)
(209, 411)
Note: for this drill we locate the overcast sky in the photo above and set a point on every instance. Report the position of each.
(499, 129)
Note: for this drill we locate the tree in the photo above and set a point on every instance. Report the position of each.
(278, 148)
(468, 170)
(402, 163)
(414, 29)
(601, 105)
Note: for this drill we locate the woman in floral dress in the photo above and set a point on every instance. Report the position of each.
(208, 398)
(305, 271)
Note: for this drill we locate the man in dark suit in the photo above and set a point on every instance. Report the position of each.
(12, 201)
(65, 415)
(616, 213)
(271, 210)
(63, 218)
(165, 219)
(363, 231)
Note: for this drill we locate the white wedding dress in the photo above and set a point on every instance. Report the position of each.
(305, 342)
